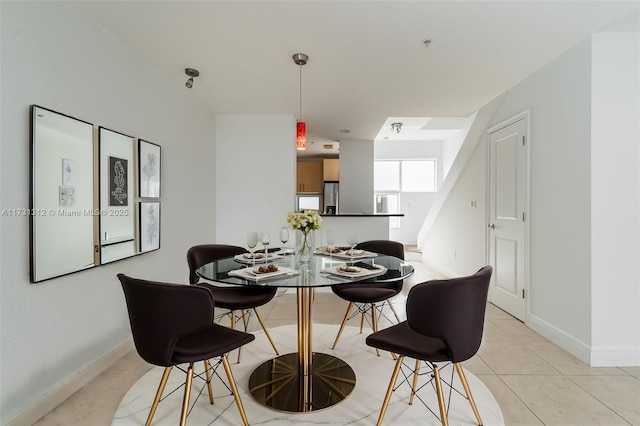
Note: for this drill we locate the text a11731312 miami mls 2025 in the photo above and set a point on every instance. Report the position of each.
(64, 212)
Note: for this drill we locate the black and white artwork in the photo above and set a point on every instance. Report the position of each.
(67, 195)
(68, 172)
(149, 169)
(118, 182)
(149, 226)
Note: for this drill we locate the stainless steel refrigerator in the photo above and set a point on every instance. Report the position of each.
(330, 197)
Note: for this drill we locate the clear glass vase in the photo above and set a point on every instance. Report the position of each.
(305, 246)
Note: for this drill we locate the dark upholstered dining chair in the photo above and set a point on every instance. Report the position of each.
(445, 319)
(370, 297)
(233, 298)
(173, 324)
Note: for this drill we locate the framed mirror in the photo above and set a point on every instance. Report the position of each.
(62, 195)
(117, 198)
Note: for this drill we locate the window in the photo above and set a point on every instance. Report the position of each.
(308, 202)
(404, 176)
(418, 176)
(390, 204)
(386, 175)
(393, 177)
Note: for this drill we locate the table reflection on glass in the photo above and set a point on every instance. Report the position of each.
(303, 381)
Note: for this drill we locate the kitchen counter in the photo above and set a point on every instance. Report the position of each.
(363, 215)
(367, 226)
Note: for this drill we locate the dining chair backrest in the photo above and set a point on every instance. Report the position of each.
(386, 247)
(159, 313)
(452, 310)
(200, 255)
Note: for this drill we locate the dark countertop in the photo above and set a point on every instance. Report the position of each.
(362, 215)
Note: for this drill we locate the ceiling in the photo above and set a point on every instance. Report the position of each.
(368, 65)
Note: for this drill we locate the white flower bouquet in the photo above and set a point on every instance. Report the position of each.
(305, 222)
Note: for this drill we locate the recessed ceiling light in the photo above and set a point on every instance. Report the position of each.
(328, 146)
(345, 131)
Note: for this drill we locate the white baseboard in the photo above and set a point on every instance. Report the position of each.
(439, 268)
(615, 356)
(575, 347)
(54, 398)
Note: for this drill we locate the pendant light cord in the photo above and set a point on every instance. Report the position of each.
(300, 91)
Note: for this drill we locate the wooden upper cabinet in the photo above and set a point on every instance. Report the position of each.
(331, 169)
(309, 176)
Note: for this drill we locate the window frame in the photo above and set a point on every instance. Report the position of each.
(395, 222)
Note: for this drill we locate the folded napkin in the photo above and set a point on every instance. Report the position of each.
(360, 273)
(249, 274)
(346, 254)
(246, 257)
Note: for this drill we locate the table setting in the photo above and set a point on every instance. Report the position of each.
(311, 379)
(355, 270)
(263, 272)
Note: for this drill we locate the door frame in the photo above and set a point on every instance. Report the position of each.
(527, 206)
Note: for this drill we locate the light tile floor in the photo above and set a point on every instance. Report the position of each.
(534, 381)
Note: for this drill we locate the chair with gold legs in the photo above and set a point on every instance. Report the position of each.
(445, 319)
(370, 298)
(234, 298)
(173, 324)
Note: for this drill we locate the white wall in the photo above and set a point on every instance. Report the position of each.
(55, 57)
(572, 201)
(560, 213)
(356, 176)
(475, 134)
(414, 206)
(255, 175)
(455, 244)
(615, 199)
(451, 147)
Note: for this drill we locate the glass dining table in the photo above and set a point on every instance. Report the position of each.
(305, 381)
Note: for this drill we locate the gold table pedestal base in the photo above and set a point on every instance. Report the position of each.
(277, 383)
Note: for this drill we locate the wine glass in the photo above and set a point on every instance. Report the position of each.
(284, 235)
(331, 240)
(352, 240)
(266, 240)
(252, 242)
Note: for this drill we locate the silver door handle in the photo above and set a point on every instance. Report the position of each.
(491, 226)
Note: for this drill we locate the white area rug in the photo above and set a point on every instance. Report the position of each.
(362, 407)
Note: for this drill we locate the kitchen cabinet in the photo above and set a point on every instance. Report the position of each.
(309, 176)
(331, 169)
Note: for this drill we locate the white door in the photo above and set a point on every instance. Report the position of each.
(506, 227)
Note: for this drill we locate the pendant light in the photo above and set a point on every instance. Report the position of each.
(301, 127)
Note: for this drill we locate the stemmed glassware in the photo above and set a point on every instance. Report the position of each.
(252, 242)
(284, 235)
(352, 240)
(266, 240)
(331, 240)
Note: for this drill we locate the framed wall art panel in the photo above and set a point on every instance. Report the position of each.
(117, 195)
(149, 227)
(149, 169)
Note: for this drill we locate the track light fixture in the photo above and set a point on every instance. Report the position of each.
(191, 73)
(396, 127)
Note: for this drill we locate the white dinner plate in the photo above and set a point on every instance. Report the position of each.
(347, 254)
(344, 271)
(250, 274)
(259, 257)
